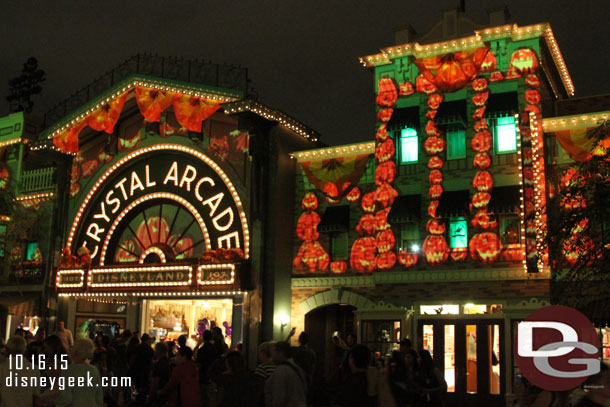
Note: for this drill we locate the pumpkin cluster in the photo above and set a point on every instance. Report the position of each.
(311, 255)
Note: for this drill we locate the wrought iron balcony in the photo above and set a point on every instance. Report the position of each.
(38, 180)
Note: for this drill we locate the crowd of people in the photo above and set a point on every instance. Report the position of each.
(208, 372)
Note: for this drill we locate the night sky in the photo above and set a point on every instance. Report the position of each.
(302, 56)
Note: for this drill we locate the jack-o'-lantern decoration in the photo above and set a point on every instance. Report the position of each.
(75, 173)
(384, 115)
(432, 207)
(331, 190)
(571, 202)
(479, 113)
(124, 253)
(532, 96)
(367, 224)
(431, 129)
(524, 61)
(219, 146)
(481, 161)
(387, 94)
(479, 85)
(435, 249)
(527, 155)
(407, 259)
(571, 178)
(484, 220)
(435, 227)
(533, 109)
(512, 73)
(482, 181)
(435, 191)
(435, 177)
(423, 85)
(307, 226)
(406, 89)
(368, 202)
(338, 267)
(74, 189)
(434, 145)
(384, 241)
(431, 114)
(385, 173)
(363, 256)
(480, 99)
(512, 254)
(381, 219)
(530, 227)
(382, 133)
(480, 125)
(310, 202)
(385, 195)
(89, 167)
(481, 199)
(312, 256)
(435, 100)
(459, 253)
(496, 76)
(532, 81)
(578, 246)
(485, 247)
(5, 177)
(154, 230)
(489, 63)
(385, 150)
(385, 260)
(481, 142)
(435, 162)
(353, 195)
(528, 175)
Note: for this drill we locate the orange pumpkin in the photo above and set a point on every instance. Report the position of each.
(219, 146)
(489, 63)
(482, 181)
(432, 207)
(530, 227)
(431, 114)
(532, 96)
(385, 173)
(535, 110)
(363, 256)
(435, 100)
(480, 84)
(123, 254)
(434, 145)
(480, 99)
(338, 267)
(310, 202)
(435, 191)
(385, 150)
(407, 259)
(88, 168)
(75, 174)
(312, 256)
(307, 226)
(385, 261)
(512, 73)
(435, 227)
(384, 115)
(481, 199)
(485, 247)
(331, 190)
(512, 254)
(435, 177)
(385, 195)
(353, 195)
(435, 249)
(368, 202)
(154, 230)
(479, 113)
(528, 175)
(484, 220)
(435, 162)
(381, 219)
(480, 125)
(382, 133)
(459, 253)
(423, 85)
(367, 224)
(387, 94)
(532, 81)
(74, 189)
(481, 161)
(496, 76)
(527, 156)
(384, 241)
(431, 129)
(524, 61)
(406, 89)
(481, 142)
(184, 247)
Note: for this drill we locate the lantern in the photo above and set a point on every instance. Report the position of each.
(406, 89)
(385, 195)
(385, 261)
(434, 227)
(482, 181)
(435, 177)
(434, 145)
(435, 191)
(532, 96)
(479, 85)
(431, 114)
(353, 195)
(382, 133)
(385, 173)
(435, 249)
(479, 113)
(485, 247)
(435, 162)
(367, 224)
(387, 94)
(532, 81)
(524, 61)
(338, 267)
(362, 256)
(307, 226)
(384, 241)
(424, 86)
(480, 125)
(431, 129)
(407, 259)
(384, 115)
(459, 253)
(381, 219)
(496, 76)
(385, 150)
(432, 206)
(480, 99)
(481, 142)
(88, 168)
(489, 63)
(435, 100)
(310, 202)
(368, 202)
(484, 220)
(481, 199)
(481, 161)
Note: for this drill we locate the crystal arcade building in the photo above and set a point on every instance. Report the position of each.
(166, 219)
(432, 230)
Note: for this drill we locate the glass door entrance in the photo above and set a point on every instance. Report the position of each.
(469, 352)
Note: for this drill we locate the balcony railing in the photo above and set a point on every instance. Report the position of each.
(27, 273)
(37, 180)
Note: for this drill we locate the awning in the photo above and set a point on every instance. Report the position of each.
(408, 116)
(335, 219)
(505, 199)
(406, 208)
(453, 203)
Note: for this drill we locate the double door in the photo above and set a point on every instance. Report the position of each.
(470, 354)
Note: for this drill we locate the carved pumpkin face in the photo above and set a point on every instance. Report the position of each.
(103, 157)
(481, 199)
(385, 195)
(480, 125)
(431, 114)
(74, 189)
(435, 177)
(434, 145)
(479, 113)
(367, 224)
(385, 173)
(524, 61)
(219, 146)
(362, 256)
(381, 219)
(154, 230)
(512, 73)
(481, 161)
(481, 142)
(384, 115)
(496, 76)
(512, 254)
(480, 99)
(532, 96)
(385, 261)
(385, 150)
(459, 253)
(484, 220)
(338, 267)
(479, 85)
(88, 168)
(387, 94)
(331, 190)
(312, 256)
(124, 256)
(307, 226)
(489, 63)
(407, 259)
(482, 181)
(532, 109)
(435, 191)
(384, 241)
(525, 132)
(431, 129)
(435, 249)
(435, 100)
(435, 163)
(485, 247)
(435, 227)
(368, 202)
(310, 202)
(530, 226)
(527, 156)
(130, 141)
(353, 195)
(184, 247)
(532, 81)
(424, 86)
(528, 175)
(406, 89)
(432, 207)
(382, 133)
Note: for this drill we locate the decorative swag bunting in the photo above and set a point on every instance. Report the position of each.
(576, 142)
(337, 171)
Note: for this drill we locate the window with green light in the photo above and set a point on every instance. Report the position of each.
(409, 237)
(338, 246)
(505, 135)
(408, 146)
(458, 232)
(456, 144)
(30, 253)
(509, 229)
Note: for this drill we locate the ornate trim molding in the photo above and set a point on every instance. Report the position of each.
(339, 296)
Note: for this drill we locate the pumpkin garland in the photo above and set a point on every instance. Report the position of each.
(311, 255)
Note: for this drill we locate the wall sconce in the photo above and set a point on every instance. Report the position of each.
(283, 320)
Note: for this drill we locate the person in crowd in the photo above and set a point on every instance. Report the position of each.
(405, 345)
(237, 387)
(529, 395)
(160, 374)
(356, 389)
(182, 339)
(35, 347)
(191, 342)
(183, 386)
(347, 345)
(432, 381)
(397, 378)
(219, 340)
(305, 357)
(141, 367)
(65, 335)
(413, 378)
(597, 389)
(100, 351)
(17, 396)
(206, 355)
(81, 396)
(265, 366)
(19, 332)
(287, 385)
(54, 350)
(172, 349)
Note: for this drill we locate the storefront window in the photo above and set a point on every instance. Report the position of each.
(408, 146)
(409, 237)
(471, 358)
(428, 337)
(456, 144)
(439, 309)
(604, 334)
(458, 235)
(482, 309)
(494, 359)
(450, 357)
(509, 229)
(381, 335)
(505, 132)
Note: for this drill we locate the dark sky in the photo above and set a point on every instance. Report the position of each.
(302, 56)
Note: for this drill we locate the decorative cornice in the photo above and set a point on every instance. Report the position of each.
(575, 121)
(335, 152)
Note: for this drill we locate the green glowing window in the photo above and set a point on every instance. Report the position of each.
(505, 135)
(510, 229)
(456, 144)
(408, 146)
(409, 236)
(30, 253)
(338, 246)
(458, 232)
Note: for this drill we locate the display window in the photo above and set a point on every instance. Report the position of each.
(381, 335)
(604, 340)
